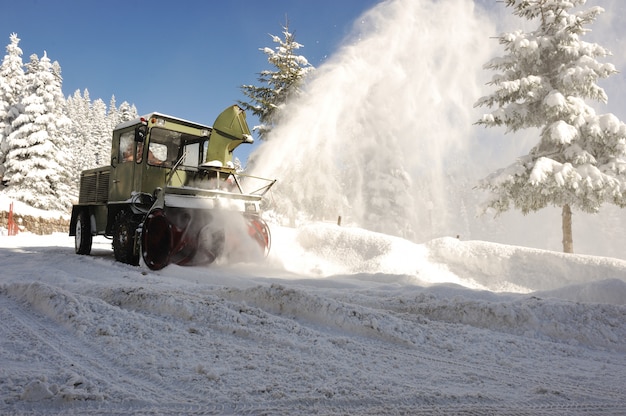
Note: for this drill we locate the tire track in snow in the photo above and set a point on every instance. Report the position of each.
(522, 352)
(540, 389)
(95, 367)
(406, 335)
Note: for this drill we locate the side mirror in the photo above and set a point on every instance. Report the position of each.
(140, 133)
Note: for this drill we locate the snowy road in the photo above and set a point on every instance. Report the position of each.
(86, 335)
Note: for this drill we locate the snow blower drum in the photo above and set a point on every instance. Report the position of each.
(186, 237)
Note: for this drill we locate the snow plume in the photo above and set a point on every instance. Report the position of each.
(385, 121)
(385, 138)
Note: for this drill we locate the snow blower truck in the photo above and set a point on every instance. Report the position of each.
(172, 194)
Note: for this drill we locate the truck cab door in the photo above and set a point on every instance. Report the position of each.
(123, 164)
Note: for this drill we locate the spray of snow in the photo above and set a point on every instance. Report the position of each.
(399, 96)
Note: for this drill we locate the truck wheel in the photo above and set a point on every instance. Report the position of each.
(124, 229)
(83, 237)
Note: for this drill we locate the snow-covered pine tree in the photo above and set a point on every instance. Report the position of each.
(100, 133)
(112, 115)
(77, 110)
(545, 76)
(66, 189)
(12, 81)
(278, 84)
(92, 128)
(126, 112)
(36, 163)
(118, 115)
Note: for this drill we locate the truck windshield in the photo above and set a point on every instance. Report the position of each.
(166, 146)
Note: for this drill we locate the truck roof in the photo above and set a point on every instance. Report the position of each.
(157, 114)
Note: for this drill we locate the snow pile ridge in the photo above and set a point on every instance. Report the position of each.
(505, 268)
(601, 326)
(331, 314)
(57, 304)
(337, 250)
(344, 249)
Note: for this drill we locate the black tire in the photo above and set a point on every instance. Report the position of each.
(124, 228)
(83, 237)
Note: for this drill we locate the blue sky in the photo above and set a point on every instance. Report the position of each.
(186, 58)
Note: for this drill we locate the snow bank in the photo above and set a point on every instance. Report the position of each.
(531, 317)
(504, 268)
(326, 250)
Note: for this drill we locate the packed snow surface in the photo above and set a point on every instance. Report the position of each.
(337, 320)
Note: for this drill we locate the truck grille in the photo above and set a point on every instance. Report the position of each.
(94, 187)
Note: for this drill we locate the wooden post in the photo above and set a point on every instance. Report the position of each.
(568, 242)
(11, 225)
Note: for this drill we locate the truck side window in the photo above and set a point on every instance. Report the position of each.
(157, 154)
(127, 142)
(191, 153)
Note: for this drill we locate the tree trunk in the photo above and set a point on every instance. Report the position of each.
(568, 243)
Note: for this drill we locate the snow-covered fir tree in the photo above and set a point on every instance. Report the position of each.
(112, 115)
(77, 109)
(543, 81)
(277, 84)
(45, 139)
(12, 81)
(116, 115)
(100, 132)
(66, 188)
(36, 161)
(126, 112)
(92, 128)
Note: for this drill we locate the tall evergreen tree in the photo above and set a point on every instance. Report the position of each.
(126, 112)
(116, 116)
(278, 84)
(46, 140)
(100, 133)
(77, 110)
(112, 115)
(12, 81)
(92, 128)
(545, 76)
(36, 163)
(66, 189)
